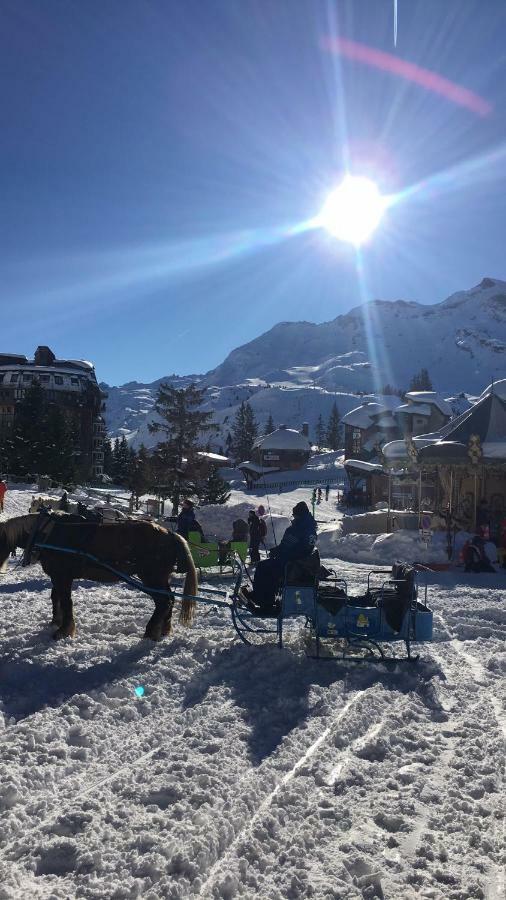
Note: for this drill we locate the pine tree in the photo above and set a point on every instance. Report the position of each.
(108, 458)
(333, 429)
(320, 432)
(213, 488)
(27, 444)
(60, 440)
(421, 381)
(176, 461)
(244, 432)
(139, 477)
(269, 425)
(121, 460)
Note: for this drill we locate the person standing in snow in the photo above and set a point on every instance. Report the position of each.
(327, 492)
(3, 488)
(187, 522)
(255, 537)
(297, 543)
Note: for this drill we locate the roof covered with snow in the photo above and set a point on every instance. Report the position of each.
(431, 397)
(414, 409)
(486, 419)
(363, 466)
(283, 439)
(497, 387)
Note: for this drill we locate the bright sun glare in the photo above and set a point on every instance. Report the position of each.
(353, 210)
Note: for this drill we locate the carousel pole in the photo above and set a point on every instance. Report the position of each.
(475, 500)
(389, 500)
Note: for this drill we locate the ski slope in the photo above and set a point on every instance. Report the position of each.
(246, 772)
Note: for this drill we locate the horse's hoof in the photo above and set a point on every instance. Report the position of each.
(64, 632)
(151, 636)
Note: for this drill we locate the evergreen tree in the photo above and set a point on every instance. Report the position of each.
(60, 440)
(269, 425)
(108, 458)
(213, 488)
(421, 381)
(121, 460)
(139, 477)
(176, 461)
(27, 445)
(244, 432)
(333, 435)
(390, 391)
(320, 432)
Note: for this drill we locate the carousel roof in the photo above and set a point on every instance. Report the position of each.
(485, 420)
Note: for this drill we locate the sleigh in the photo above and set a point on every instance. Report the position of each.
(392, 610)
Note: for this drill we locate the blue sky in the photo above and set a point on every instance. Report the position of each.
(158, 158)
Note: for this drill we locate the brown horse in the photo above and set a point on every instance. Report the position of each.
(132, 547)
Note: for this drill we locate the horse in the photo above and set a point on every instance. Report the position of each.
(131, 547)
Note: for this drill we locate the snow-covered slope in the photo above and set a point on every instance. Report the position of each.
(128, 406)
(461, 341)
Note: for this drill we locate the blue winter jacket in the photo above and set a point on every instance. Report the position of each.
(187, 522)
(299, 539)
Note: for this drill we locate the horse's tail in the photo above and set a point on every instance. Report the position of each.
(185, 562)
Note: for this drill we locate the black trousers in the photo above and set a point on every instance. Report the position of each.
(254, 551)
(267, 580)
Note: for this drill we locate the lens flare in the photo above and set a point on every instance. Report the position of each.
(353, 210)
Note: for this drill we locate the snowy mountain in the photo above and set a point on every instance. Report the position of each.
(461, 341)
(297, 370)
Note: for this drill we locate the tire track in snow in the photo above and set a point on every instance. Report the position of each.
(496, 891)
(267, 801)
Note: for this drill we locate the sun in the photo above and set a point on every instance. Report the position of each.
(353, 210)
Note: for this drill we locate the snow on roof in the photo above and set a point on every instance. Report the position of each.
(214, 457)
(254, 467)
(431, 397)
(362, 465)
(398, 449)
(415, 409)
(498, 388)
(386, 420)
(283, 439)
(363, 416)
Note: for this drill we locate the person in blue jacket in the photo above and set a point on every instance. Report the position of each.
(187, 522)
(298, 542)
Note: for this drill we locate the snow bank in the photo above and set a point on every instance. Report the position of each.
(385, 549)
(376, 522)
(217, 521)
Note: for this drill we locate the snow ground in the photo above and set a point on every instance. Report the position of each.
(248, 772)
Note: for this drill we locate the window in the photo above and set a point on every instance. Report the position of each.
(74, 380)
(27, 376)
(44, 378)
(14, 378)
(58, 379)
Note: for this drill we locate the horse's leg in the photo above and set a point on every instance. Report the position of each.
(57, 610)
(160, 620)
(68, 625)
(167, 623)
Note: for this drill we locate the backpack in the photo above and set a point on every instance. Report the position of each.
(263, 529)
